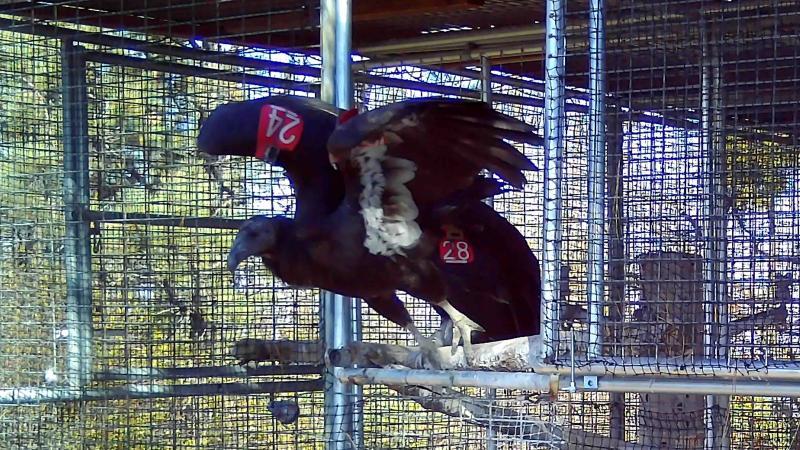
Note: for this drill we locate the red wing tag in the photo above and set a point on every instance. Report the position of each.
(347, 115)
(279, 128)
(454, 249)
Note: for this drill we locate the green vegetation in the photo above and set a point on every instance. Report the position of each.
(758, 170)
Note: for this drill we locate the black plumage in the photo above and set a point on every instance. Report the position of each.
(443, 144)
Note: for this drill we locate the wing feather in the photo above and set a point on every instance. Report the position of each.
(412, 155)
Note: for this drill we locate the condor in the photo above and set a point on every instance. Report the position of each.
(390, 200)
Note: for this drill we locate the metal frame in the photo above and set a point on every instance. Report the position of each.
(578, 97)
(340, 318)
(555, 108)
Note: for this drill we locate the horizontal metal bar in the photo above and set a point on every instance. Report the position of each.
(35, 395)
(259, 80)
(142, 46)
(161, 220)
(214, 74)
(455, 91)
(547, 383)
(460, 39)
(450, 56)
(729, 369)
(706, 387)
(507, 35)
(172, 373)
(448, 378)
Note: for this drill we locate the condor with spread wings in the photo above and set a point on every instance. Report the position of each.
(402, 212)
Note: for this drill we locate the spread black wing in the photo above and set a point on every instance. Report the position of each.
(402, 160)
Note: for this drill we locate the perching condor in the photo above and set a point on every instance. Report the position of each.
(402, 212)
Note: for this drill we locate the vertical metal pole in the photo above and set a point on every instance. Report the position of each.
(486, 79)
(716, 257)
(616, 258)
(486, 96)
(340, 316)
(77, 246)
(597, 149)
(554, 121)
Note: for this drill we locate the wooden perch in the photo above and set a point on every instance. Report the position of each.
(509, 355)
(282, 352)
(512, 355)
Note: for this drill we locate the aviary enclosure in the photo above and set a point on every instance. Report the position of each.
(664, 215)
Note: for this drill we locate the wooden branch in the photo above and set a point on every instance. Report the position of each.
(772, 317)
(509, 355)
(282, 352)
(512, 355)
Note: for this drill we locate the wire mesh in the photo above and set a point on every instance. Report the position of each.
(159, 298)
(683, 85)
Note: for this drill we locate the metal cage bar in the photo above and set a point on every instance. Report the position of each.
(597, 148)
(343, 416)
(554, 121)
(77, 245)
(716, 254)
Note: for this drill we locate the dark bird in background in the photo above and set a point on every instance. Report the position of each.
(402, 212)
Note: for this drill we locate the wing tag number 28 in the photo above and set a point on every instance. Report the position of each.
(453, 249)
(278, 128)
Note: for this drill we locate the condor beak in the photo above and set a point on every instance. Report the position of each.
(239, 252)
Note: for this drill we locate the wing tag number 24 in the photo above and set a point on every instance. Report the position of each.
(278, 128)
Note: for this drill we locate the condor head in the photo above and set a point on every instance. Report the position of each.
(231, 129)
(258, 236)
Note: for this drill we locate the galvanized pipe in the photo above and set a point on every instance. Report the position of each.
(715, 251)
(194, 71)
(554, 121)
(340, 324)
(486, 79)
(450, 56)
(120, 42)
(77, 244)
(36, 395)
(699, 387)
(616, 257)
(176, 373)
(595, 288)
(160, 220)
(678, 366)
(546, 383)
(486, 96)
